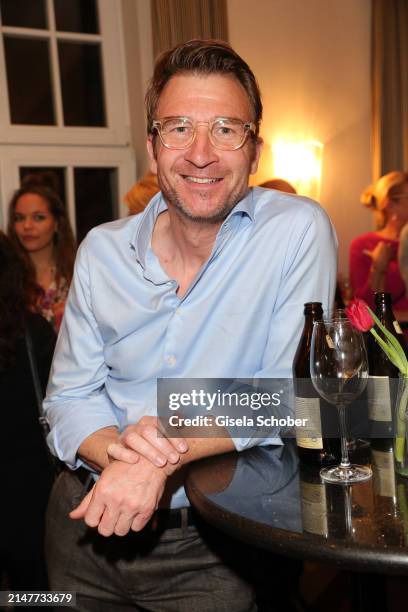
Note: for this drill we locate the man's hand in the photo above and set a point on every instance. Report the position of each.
(124, 498)
(145, 439)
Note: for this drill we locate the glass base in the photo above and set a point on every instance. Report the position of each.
(346, 475)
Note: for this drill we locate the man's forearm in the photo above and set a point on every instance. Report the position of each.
(205, 447)
(93, 448)
(147, 439)
(198, 448)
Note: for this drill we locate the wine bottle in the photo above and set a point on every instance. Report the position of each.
(321, 417)
(313, 502)
(385, 492)
(383, 375)
(382, 463)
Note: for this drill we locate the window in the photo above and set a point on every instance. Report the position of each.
(90, 182)
(64, 104)
(61, 66)
(94, 189)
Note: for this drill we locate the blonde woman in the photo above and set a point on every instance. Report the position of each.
(373, 255)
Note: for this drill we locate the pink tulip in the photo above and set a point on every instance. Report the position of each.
(359, 316)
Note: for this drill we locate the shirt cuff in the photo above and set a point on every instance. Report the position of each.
(70, 424)
(242, 444)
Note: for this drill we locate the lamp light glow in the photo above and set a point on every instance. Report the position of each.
(300, 163)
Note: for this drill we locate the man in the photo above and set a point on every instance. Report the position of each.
(209, 281)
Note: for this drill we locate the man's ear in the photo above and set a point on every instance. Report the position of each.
(257, 154)
(152, 154)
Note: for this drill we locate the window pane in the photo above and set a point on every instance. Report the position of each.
(23, 13)
(51, 177)
(29, 81)
(76, 16)
(95, 198)
(81, 84)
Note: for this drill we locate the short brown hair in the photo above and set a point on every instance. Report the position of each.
(202, 57)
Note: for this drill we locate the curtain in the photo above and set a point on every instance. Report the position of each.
(389, 86)
(176, 21)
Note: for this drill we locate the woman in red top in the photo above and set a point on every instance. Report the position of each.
(373, 256)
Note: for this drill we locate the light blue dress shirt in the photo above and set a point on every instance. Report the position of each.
(124, 325)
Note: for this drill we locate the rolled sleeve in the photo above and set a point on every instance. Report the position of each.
(242, 444)
(70, 424)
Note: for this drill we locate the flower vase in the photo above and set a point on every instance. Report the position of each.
(401, 430)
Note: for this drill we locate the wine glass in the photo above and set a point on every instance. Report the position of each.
(339, 371)
(335, 313)
(353, 444)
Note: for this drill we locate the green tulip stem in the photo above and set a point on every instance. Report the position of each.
(394, 347)
(400, 437)
(403, 507)
(389, 351)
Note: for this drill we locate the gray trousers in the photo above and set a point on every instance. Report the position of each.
(179, 570)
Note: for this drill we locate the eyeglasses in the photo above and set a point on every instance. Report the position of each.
(224, 133)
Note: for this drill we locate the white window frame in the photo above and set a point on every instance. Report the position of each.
(117, 131)
(12, 158)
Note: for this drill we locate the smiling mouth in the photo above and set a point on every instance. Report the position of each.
(201, 181)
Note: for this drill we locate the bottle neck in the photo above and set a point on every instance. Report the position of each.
(383, 307)
(313, 311)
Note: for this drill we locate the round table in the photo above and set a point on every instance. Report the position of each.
(263, 497)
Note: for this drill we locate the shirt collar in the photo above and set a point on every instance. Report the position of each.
(141, 238)
(245, 206)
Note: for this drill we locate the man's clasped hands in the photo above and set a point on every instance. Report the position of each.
(132, 483)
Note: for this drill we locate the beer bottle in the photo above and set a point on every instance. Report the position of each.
(315, 440)
(383, 375)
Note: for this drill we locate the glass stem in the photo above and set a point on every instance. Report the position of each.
(345, 462)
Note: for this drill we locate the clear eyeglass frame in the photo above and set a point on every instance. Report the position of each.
(217, 122)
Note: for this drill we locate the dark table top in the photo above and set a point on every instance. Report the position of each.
(264, 497)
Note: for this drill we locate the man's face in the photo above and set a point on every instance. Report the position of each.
(202, 182)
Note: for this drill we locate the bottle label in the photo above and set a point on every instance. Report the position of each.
(383, 473)
(330, 342)
(314, 508)
(379, 398)
(309, 435)
(397, 327)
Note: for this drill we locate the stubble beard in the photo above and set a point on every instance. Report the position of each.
(216, 216)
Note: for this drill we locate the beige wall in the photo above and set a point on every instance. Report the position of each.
(312, 61)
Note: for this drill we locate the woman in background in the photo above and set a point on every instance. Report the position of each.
(39, 228)
(403, 255)
(25, 470)
(373, 255)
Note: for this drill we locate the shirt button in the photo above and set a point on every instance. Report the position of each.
(171, 360)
